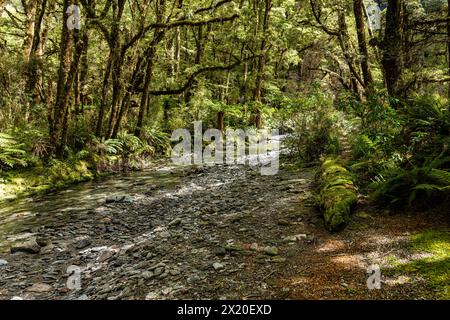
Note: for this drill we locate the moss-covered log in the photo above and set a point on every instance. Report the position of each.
(338, 194)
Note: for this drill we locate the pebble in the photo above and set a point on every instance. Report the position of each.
(295, 238)
(83, 243)
(40, 288)
(218, 266)
(220, 251)
(158, 271)
(271, 251)
(175, 222)
(147, 275)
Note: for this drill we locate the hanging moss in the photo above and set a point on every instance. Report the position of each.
(337, 194)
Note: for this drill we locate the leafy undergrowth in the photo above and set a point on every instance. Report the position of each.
(37, 180)
(434, 266)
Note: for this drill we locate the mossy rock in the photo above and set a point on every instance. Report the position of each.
(337, 195)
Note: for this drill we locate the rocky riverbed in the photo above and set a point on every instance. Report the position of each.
(221, 232)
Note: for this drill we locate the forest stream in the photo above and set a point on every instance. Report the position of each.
(223, 232)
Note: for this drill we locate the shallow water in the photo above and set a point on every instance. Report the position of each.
(18, 218)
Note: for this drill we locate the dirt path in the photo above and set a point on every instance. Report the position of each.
(220, 232)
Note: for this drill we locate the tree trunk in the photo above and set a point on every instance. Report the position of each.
(345, 44)
(220, 121)
(448, 47)
(150, 55)
(59, 107)
(362, 44)
(145, 92)
(101, 111)
(261, 64)
(84, 68)
(29, 7)
(126, 100)
(392, 60)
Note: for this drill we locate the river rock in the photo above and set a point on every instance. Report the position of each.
(119, 199)
(283, 222)
(220, 251)
(147, 275)
(29, 246)
(83, 243)
(105, 255)
(159, 271)
(3, 262)
(175, 222)
(218, 266)
(40, 288)
(271, 251)
(295, 238)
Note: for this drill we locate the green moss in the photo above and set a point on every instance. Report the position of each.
(37, 180)
(435, 267)
(337, 194)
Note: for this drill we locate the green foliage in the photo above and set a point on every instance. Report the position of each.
(104, 146)
(427, 127)
(12, 153)
(157, 139)
(315, 126)
(134, 150)
(399, 185)
(435, 266)
(404, 154)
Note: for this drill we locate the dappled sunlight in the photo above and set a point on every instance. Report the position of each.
(348, 261)
(332, 245)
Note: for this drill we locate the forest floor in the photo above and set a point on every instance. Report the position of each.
(226, 232)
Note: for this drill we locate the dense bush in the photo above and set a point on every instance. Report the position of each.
(315, 127)
(12, 153)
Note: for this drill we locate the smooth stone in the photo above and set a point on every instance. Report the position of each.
(113, 199)
(296, 237)
(158, 271)
(105, 255)
(218, 266)
(40, 288)
(220, 251)
(30, 246)
(152, 296)
(175, 222)
(147, 275)
(83, 243)
(271, 251)
(175, 272)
